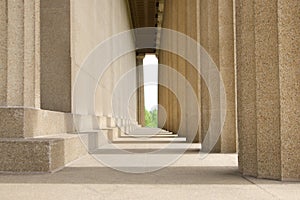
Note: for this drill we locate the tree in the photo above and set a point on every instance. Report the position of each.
(151, 118)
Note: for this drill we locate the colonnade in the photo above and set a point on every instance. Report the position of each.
(255, 46)
(211, 24)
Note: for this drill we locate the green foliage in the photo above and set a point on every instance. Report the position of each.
(151, 118)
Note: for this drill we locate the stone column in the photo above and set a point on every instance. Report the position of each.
(163, 97)
(227, 70)
(20, 64)
(167, 19)
(20, 113)
(162, 92)
(56, 56)
(267, 88)
(213, 51)
(191, 71)
(182, 26)
(140, 92)
(289, 83)
(217, 38)
(205, 98)
(3, 53)
(174, 105)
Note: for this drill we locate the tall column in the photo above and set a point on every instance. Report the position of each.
(191, 71)
(289, 83)
(246, 83)
(227, 70)
(3, 53)
(205, 98)
(217, 38)
(213, 50)
(140, 92)
(20, 55)
(170, 14)
(175, 108)
(163, 94)
(182, 17)
(167, 22)
(266, 81)
(209, 39)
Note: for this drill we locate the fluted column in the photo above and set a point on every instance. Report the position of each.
(140, 92)
(191, 71)
(174, 104)
(20, 36)
(163, 92)
(167, 24)
(227, 70)
(268, 94)
(163, 77)
(205, 98)
(217, 38)
(289, 82)
(182, 26)
(213, 51)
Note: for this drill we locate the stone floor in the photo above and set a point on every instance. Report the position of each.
(215, 177)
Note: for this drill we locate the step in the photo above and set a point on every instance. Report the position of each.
(97, 138)
(39, 155)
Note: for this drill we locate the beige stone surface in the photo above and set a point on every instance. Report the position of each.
(192, 74)
(22, 54)
(246, 81)
(182, 67)
(264, 50)
(213, 51)
(91, 27)
(205, 99)
(163, 98)
(174, 103)
(11, 123)
(31, 155)
(3, 52)
(141, 94)
(55, 56)
(26, 122)
(289, 72)
(44, 154)
(227, 70)
(216, 177)
(267, 93)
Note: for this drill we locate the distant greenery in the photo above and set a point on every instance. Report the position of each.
(151, 118)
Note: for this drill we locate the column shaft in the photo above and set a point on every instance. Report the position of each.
(268, 98)
(141, 97)
(182, 25)
(289, 83)
(192, 74)
(227, 70)
(22, 67)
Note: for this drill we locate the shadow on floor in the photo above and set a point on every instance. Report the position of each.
(102, 175)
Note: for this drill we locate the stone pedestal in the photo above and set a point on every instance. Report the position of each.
(31, 139)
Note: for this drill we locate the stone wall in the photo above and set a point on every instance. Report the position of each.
(93, 22)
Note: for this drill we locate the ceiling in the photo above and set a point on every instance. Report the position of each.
(144, 13)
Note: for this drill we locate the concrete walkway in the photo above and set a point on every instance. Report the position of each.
(215, 177)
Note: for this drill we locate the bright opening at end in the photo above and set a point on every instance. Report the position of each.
(150, 64)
